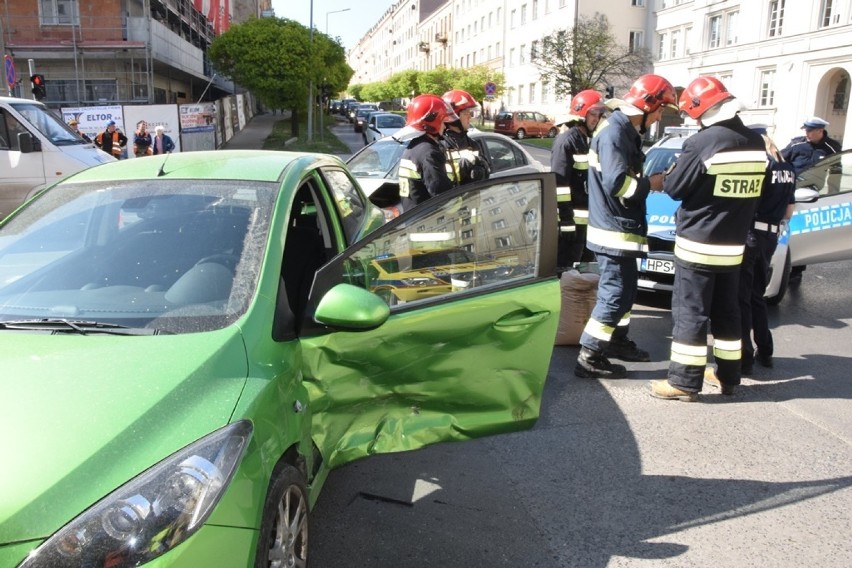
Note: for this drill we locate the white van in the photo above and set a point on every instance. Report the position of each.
(36, 150)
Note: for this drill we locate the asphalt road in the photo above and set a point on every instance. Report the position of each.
(612, 477)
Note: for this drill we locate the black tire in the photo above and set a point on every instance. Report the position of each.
(284, 528)
(785, 283)
(551, 133)
(521, 134)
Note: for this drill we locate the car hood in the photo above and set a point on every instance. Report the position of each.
(81, 415)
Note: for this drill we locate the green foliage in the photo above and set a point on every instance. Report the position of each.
(277, 59)
(588, 56)
(409, 83)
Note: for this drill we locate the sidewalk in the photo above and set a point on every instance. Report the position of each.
(255, 133)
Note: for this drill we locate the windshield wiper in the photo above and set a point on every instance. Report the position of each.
(83, 327)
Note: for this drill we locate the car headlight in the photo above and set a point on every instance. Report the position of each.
(153, 512)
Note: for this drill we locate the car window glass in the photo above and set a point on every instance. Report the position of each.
(10, 127)
(477, 240)
(377, 160)
(503, 155)
(830, 176)
(348, 201)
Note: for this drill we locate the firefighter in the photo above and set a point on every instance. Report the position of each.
(463, 154)
(617, 227)
(569, 161)
(718, 179)
(423, 167)
(111, 140)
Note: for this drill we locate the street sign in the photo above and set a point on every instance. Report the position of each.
(490, 88)
(11, 76)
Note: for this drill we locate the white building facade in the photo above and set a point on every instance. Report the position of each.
(784, 59)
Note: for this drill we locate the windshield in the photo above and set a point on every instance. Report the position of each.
(659, 159)
(391, 121)
(59, 133)
(378, 160)
(174, 256)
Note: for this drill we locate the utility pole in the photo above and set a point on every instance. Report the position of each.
(311, 82)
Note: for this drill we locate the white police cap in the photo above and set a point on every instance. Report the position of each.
(815, 122)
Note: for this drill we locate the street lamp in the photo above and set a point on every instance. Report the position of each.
(333, 12)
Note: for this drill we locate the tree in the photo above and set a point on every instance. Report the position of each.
(277, 59)
(587, 56)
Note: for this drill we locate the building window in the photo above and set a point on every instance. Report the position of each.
(523, 14)
(521, 54)
(533, 50)
(674, 45)
(499, 224)
(731, 29)
(636, 40)
(532, 93)
(830, 13)
(715, 32)
(767, 88)
(59, 12)
(546, 92)
(687, 34)
(776, 17)
(512, 19)
(661, 46)
(535, 9)
(638, 3)
(503, 242)
(840, 101)
(512, 57)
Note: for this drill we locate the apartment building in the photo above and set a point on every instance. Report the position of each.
(784, 59)
(118, 51)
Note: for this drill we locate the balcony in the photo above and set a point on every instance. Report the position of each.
(423, 46)
(441, 38)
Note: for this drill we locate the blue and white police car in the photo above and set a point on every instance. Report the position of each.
(819, 231)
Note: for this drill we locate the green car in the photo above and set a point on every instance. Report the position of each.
(189, 343)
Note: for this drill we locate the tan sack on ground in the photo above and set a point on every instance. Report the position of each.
(579, 292)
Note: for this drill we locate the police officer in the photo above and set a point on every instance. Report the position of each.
(775, 206)
(718, 179)
(617, 226)
(804, 151)
(423, 166)
(466, 161)
(570, 163)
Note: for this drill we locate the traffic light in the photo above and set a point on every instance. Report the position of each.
(610, 92)
(39, 87)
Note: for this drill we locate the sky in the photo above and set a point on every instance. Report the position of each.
(350, 25)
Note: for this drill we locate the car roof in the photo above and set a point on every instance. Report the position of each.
(250, 165)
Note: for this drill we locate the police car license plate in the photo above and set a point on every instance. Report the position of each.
(658, 265)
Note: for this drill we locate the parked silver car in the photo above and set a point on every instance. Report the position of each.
(381, 124)
(377, 165)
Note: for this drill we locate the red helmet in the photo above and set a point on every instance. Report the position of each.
(428, 113)
(459, 100)
(702, 94)
(584, 101)
(650, 92)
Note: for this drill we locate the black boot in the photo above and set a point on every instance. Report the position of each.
(593, 365)
(625, 350)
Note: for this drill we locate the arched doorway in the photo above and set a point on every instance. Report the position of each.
(832, 101)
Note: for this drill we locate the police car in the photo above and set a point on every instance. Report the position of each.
(819, 231)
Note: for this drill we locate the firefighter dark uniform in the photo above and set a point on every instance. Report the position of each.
(423, 172)
(464, 158)
(779, 186)
(569, 160)
(717, 178)
(617, 227)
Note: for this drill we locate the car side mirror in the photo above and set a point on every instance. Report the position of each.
(807, 194)
(349, 307)
(25, 142)
(386, 195)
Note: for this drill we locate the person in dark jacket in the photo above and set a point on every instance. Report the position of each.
(775, 206)
(112, 141)
(804, 151)
(162, 143)
(718, 179)
(468, 163)
(617, 226)
(142, 140)
(570, 162)
(423, 167)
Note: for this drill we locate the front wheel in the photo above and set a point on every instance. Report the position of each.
(551, 133)
(284, 531)
(520, 134)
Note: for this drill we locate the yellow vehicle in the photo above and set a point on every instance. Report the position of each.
(423, 274)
